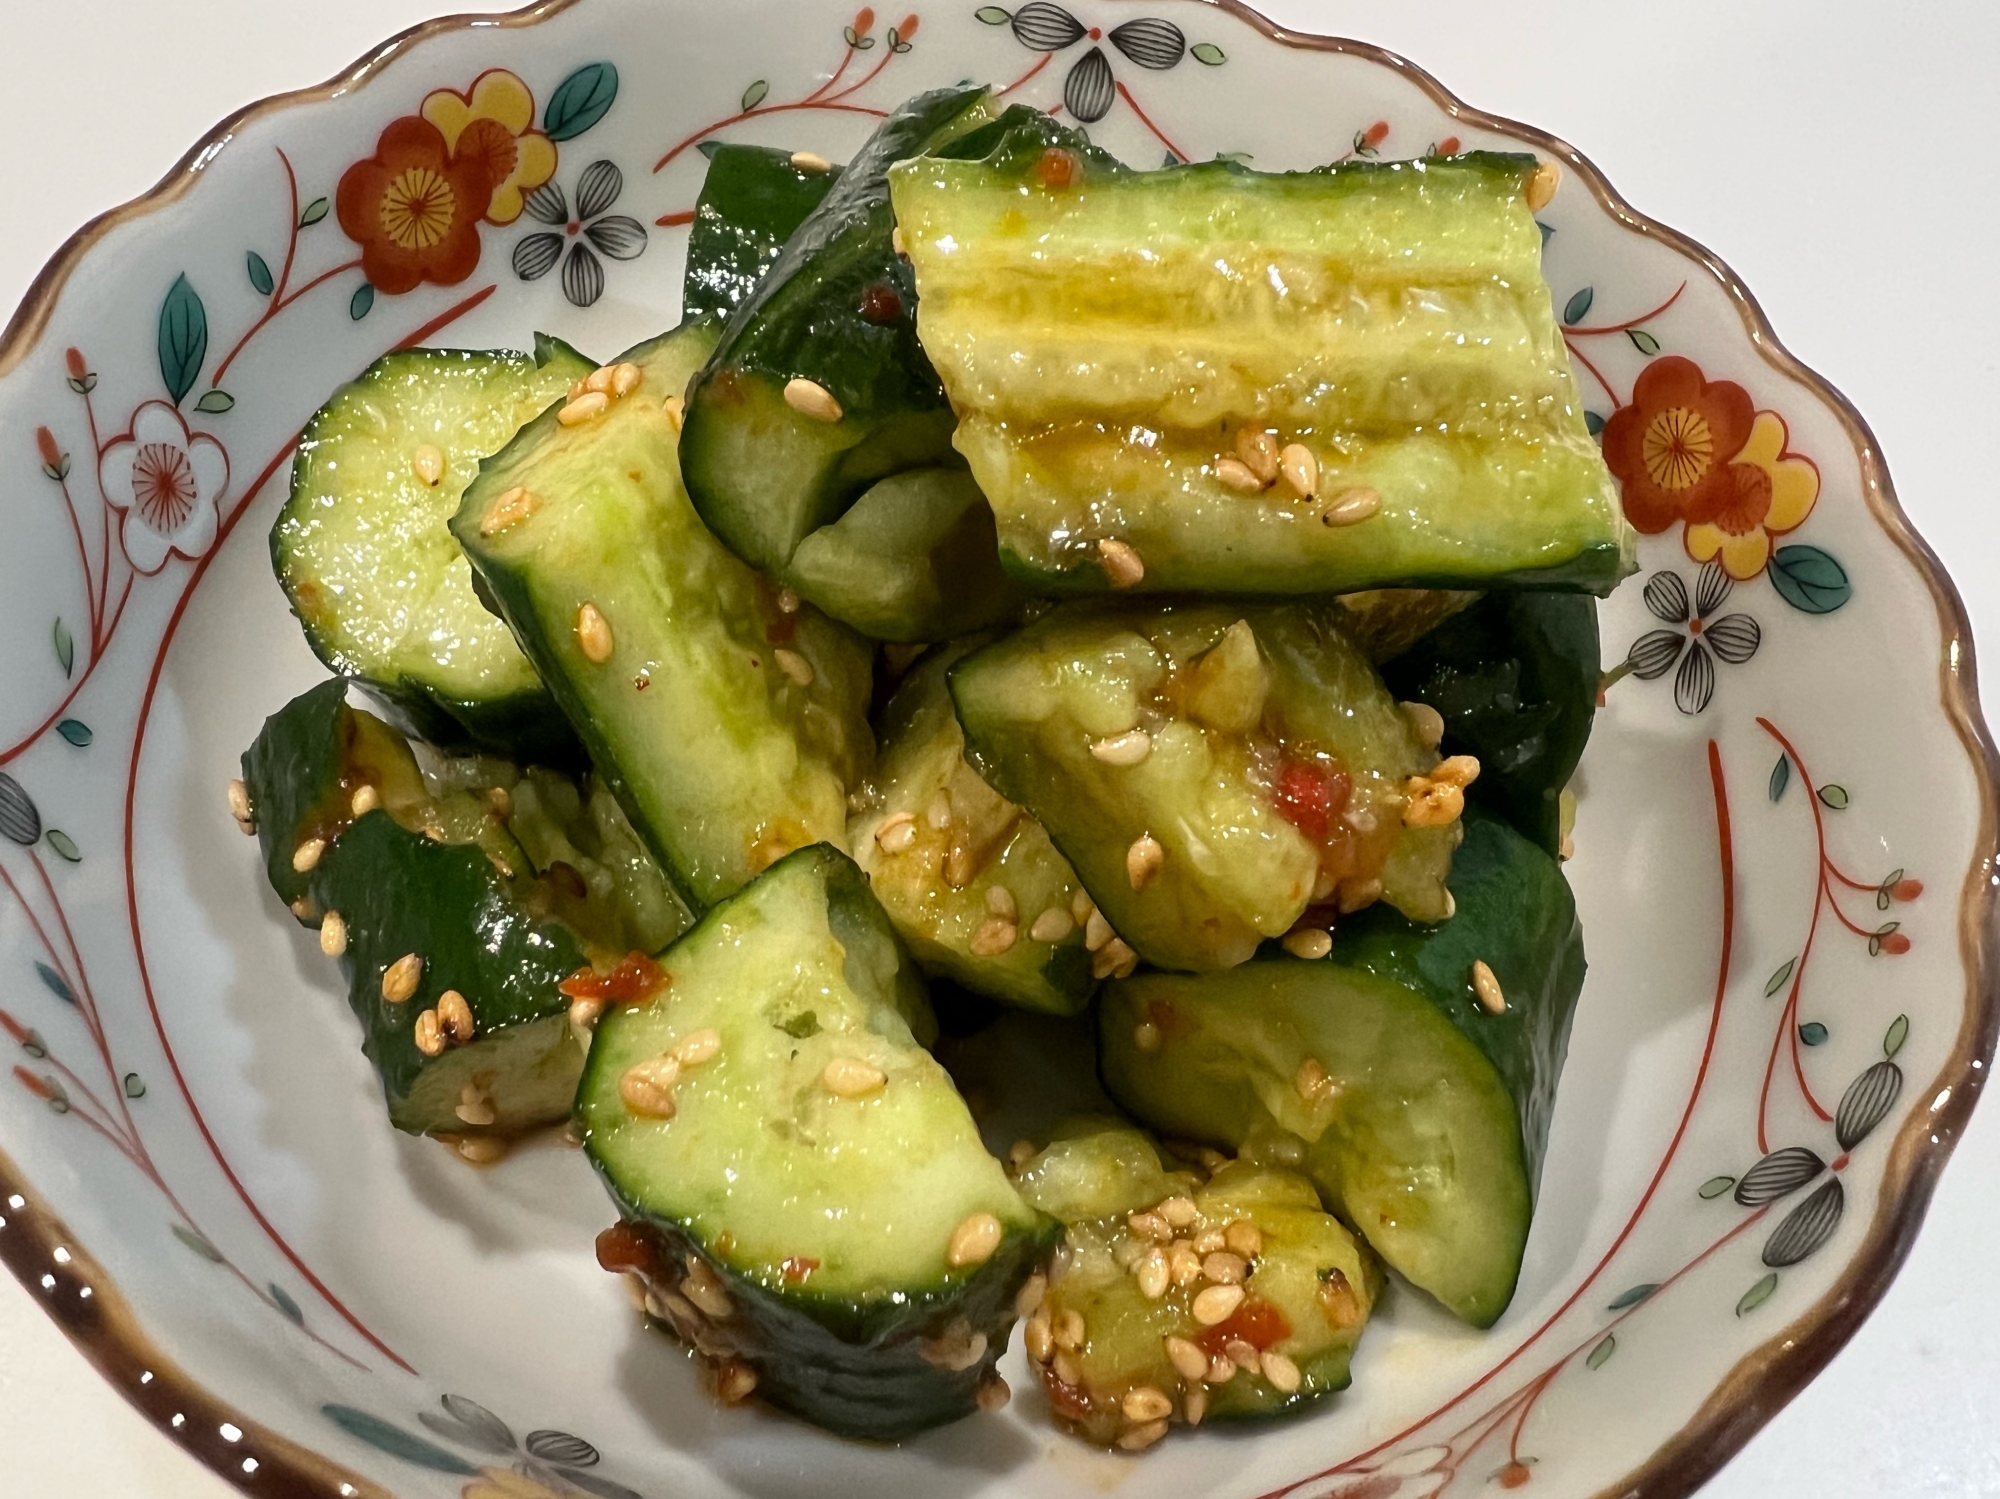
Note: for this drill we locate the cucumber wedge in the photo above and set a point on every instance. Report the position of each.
(1420, 1117)
(1252, 752)
(751, 201)
(730, 722)
(363, 552)
(1121, 1342)
(1117, 344)
(796, 1186)
(971, 881)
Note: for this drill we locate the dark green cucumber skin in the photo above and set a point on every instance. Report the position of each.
(401, 893)
(1593, 570)
(751, 201)
(1515, 677)
(292, 772)
(1515, 913)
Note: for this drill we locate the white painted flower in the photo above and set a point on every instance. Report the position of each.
(166, 483)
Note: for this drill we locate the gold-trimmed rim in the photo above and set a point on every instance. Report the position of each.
(1760, 1384)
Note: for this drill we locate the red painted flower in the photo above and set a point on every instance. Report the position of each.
(1671, 448)
(414, 208)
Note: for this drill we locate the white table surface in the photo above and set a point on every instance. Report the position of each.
(1839, 155)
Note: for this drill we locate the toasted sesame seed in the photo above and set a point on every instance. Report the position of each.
(1151, 1271)
(810, 161)
(1491, 998)
(705, 1289)
(1542, 185)
(500, 801)
(1337, 1299)
(1354, 895)
(626, 377)
(1184, 1264)
(584, 1013)
(400, 978)
(1351, 507)
(1066, 1369)
(597, 379)
(1038, 1337)
(1450, 905)
(973, 1242)
(1258, 451)
(1212, 1160)
(1459, 770)
(1146, 1404)
(302, 908)
(957, 1348)
(735, 1382)
(1208, 1241)
(795, 666)
(812, 400)
(1242, 1353)
(1081, 905)
(992, 1393)
(995, 935)
(306, 856)
(1028, 1300)
(593, 634)
(938, 813)
(1233, 474)
(576, 388)
(1245, 1238)
(1069, 1328)
(1128, 748)
(1224, 1268)
(1139, 1438)
(675, 410)
(1000, 901)
(1216, 1304)
(896, 242)
(648, 1087)
(1097, 933)
(427, 463)
(698, 1047)
(1195, 1404)
(1188, 1359)
(1052, 925)
(366, 799)
(1220, 1370)
(590, 404)
(1143, 860)
(239, 800)
(1432, 804)
(897, 832)
(333, 934)
(428, 1034)
(1150, 1225)
(1299, 469)
(479, 1150)
(1147, 1036)
(1427, 721)
(1282, 1373)
(513, 507)
(852, 1077)
(1180, 1212)
(1308, 942)
(1122, 565)
(1114, 960)
(475, 1104)
(455, 1015)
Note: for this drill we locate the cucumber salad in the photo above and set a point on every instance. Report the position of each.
(1005, 777)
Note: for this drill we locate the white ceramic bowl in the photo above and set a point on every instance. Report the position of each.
(1783, 853)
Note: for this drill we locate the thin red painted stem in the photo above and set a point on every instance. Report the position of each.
(103, 515)
(1146, 120)
(846, 57)
(277, 306)
(1629, 323)
(1046, 58)
(764, 109)
(83, 557)
(1595, 373)
(86, 1000)
(14, 750)
(1827, 891)
(1848, 880)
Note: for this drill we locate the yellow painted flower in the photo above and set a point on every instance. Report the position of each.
(494, 122)
(505, 1483)
(1773, 491)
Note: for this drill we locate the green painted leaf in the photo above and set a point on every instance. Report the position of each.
(1601, 1354)
(580, 101)
(1758, 1294)
(991, 15)
(361, 301)
(56, 1095)
(76, 731)
(709, 148)
(1593, 424)
(395, 1441)
(134, 1085)
(1809, 579)
(1209, 53)
(1813, 1033)
(182, 339)
(197, 1243)
(64, 845)
(35, 1046)
(215, 402)
(65, 645)
(1779, 979)
(1643, 341)
(1634, 1296)
(1781, 776)
(756, 94)
(1715, 1186)
(57, 984)
(1899, 1032)
(1578, 306)
(286, 1304)
(1835, 797)
(260, 273)
(314, 212)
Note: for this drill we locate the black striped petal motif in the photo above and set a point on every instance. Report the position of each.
(1711, 588)
(1042, 27)
(535, 255)
(1807, 1227)
(1866, 1103)
(1150, 43)
(1779, 1174)
(598, 188)
(1694, 683)
(1734, 638)
(20, 822)
(582, 276)
(1654, 653)
(547, 204)
(1089, 92)
(620, 236)
(1667, 596)
(561, 1447)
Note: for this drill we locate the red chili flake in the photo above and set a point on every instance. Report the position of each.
(1058, 168)
(798, 1267)
(1309, 796)
(1258, 1323)
(641, 683)
(881, 304)
(635, 977)
(625, 1247)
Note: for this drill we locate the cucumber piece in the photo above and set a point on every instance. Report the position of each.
(1386, 622)
(443, 864)
(373, 575)
(972, 897)
(1139, 1242)
(1254, 746)
(1421, 1118)
(751, 201)
(729, 728)
(785, 1228)
(1110, 337)
(837, 310)
(1516, 679)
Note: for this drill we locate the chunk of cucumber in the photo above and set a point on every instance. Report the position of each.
(1112, 339)
(1210, 770)
(1138, 1292)
(797, 1185)
(751, 200)
(363, 552)
(729, 720)
(971, 881)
